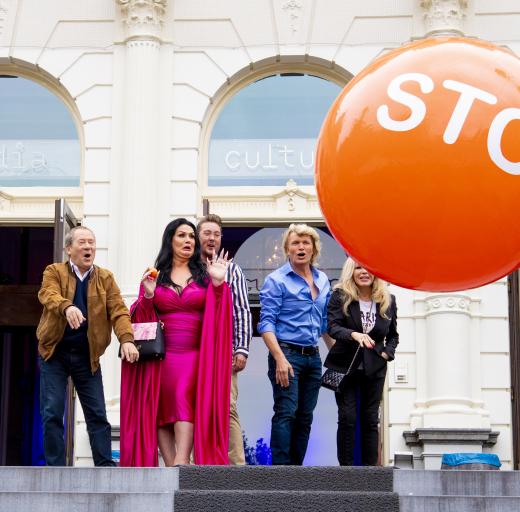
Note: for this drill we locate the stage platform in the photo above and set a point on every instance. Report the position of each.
(256, 489)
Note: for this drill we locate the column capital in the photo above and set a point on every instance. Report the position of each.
(449, 303)
(143, 18)
(444, 17)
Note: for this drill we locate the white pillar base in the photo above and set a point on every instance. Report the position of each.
(429, 444)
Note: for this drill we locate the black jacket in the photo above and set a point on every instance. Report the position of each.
(341, 327)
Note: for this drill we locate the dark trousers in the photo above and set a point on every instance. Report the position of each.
(74, 361)
(370, 392)
(293, 407)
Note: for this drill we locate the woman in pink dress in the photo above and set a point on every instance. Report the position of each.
(180, 403)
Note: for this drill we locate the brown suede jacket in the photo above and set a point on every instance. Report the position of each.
(105, 309)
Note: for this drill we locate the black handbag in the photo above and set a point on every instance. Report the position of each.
(332, 379)
(148, 339)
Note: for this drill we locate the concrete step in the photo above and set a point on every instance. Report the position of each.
(459, 503)
(295, 478)
(85, 502)
(200, 488)
(109, 480)
(53, 479)
(286, 501)
(457, 483)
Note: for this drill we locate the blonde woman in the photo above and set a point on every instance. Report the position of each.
(362, 318)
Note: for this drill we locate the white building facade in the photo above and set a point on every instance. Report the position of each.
(146, 81)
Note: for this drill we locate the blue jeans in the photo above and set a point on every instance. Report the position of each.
(293, 407)
(73, 361)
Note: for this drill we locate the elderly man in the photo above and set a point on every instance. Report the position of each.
(209, 230)
(293, 316)
(81, 303)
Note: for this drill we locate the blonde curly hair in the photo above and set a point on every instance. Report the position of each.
(303, 230)
(350, 291)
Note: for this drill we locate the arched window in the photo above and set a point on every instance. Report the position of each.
(39, 144)
(266, 134)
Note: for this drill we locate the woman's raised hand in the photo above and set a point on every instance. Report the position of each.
(217, 267)
(149, 282)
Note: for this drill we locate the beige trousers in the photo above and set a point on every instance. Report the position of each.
(236, 443)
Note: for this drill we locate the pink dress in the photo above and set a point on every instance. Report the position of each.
(182, 316)
(191, 384)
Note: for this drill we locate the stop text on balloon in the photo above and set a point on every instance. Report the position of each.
(468, 96)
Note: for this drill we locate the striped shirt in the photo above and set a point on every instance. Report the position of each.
(242, 322)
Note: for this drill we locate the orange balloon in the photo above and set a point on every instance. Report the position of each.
(418, 165)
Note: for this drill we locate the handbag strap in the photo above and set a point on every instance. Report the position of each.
(353, 359)
(132, 311)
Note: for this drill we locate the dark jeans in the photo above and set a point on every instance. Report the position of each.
(293, 407)
(73, 361)
(370, 392)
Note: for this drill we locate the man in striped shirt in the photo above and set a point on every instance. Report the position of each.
(209, 230)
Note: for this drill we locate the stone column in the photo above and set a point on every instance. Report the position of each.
(139, 180)
(449, 351)
(141, 185)
(448, 415)
(444, 17)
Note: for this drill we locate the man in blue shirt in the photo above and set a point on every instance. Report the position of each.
(293, 316)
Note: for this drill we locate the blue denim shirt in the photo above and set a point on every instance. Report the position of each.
(287, 308)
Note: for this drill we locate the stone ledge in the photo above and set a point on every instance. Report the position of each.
(419, 436)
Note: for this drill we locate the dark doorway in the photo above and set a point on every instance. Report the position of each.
(258, 250)
(25, 253)
(264, 254)
(234, 237)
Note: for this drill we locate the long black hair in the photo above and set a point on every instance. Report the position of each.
(164, 260)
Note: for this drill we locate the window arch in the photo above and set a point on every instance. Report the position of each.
(39, 139)
(264, 131)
